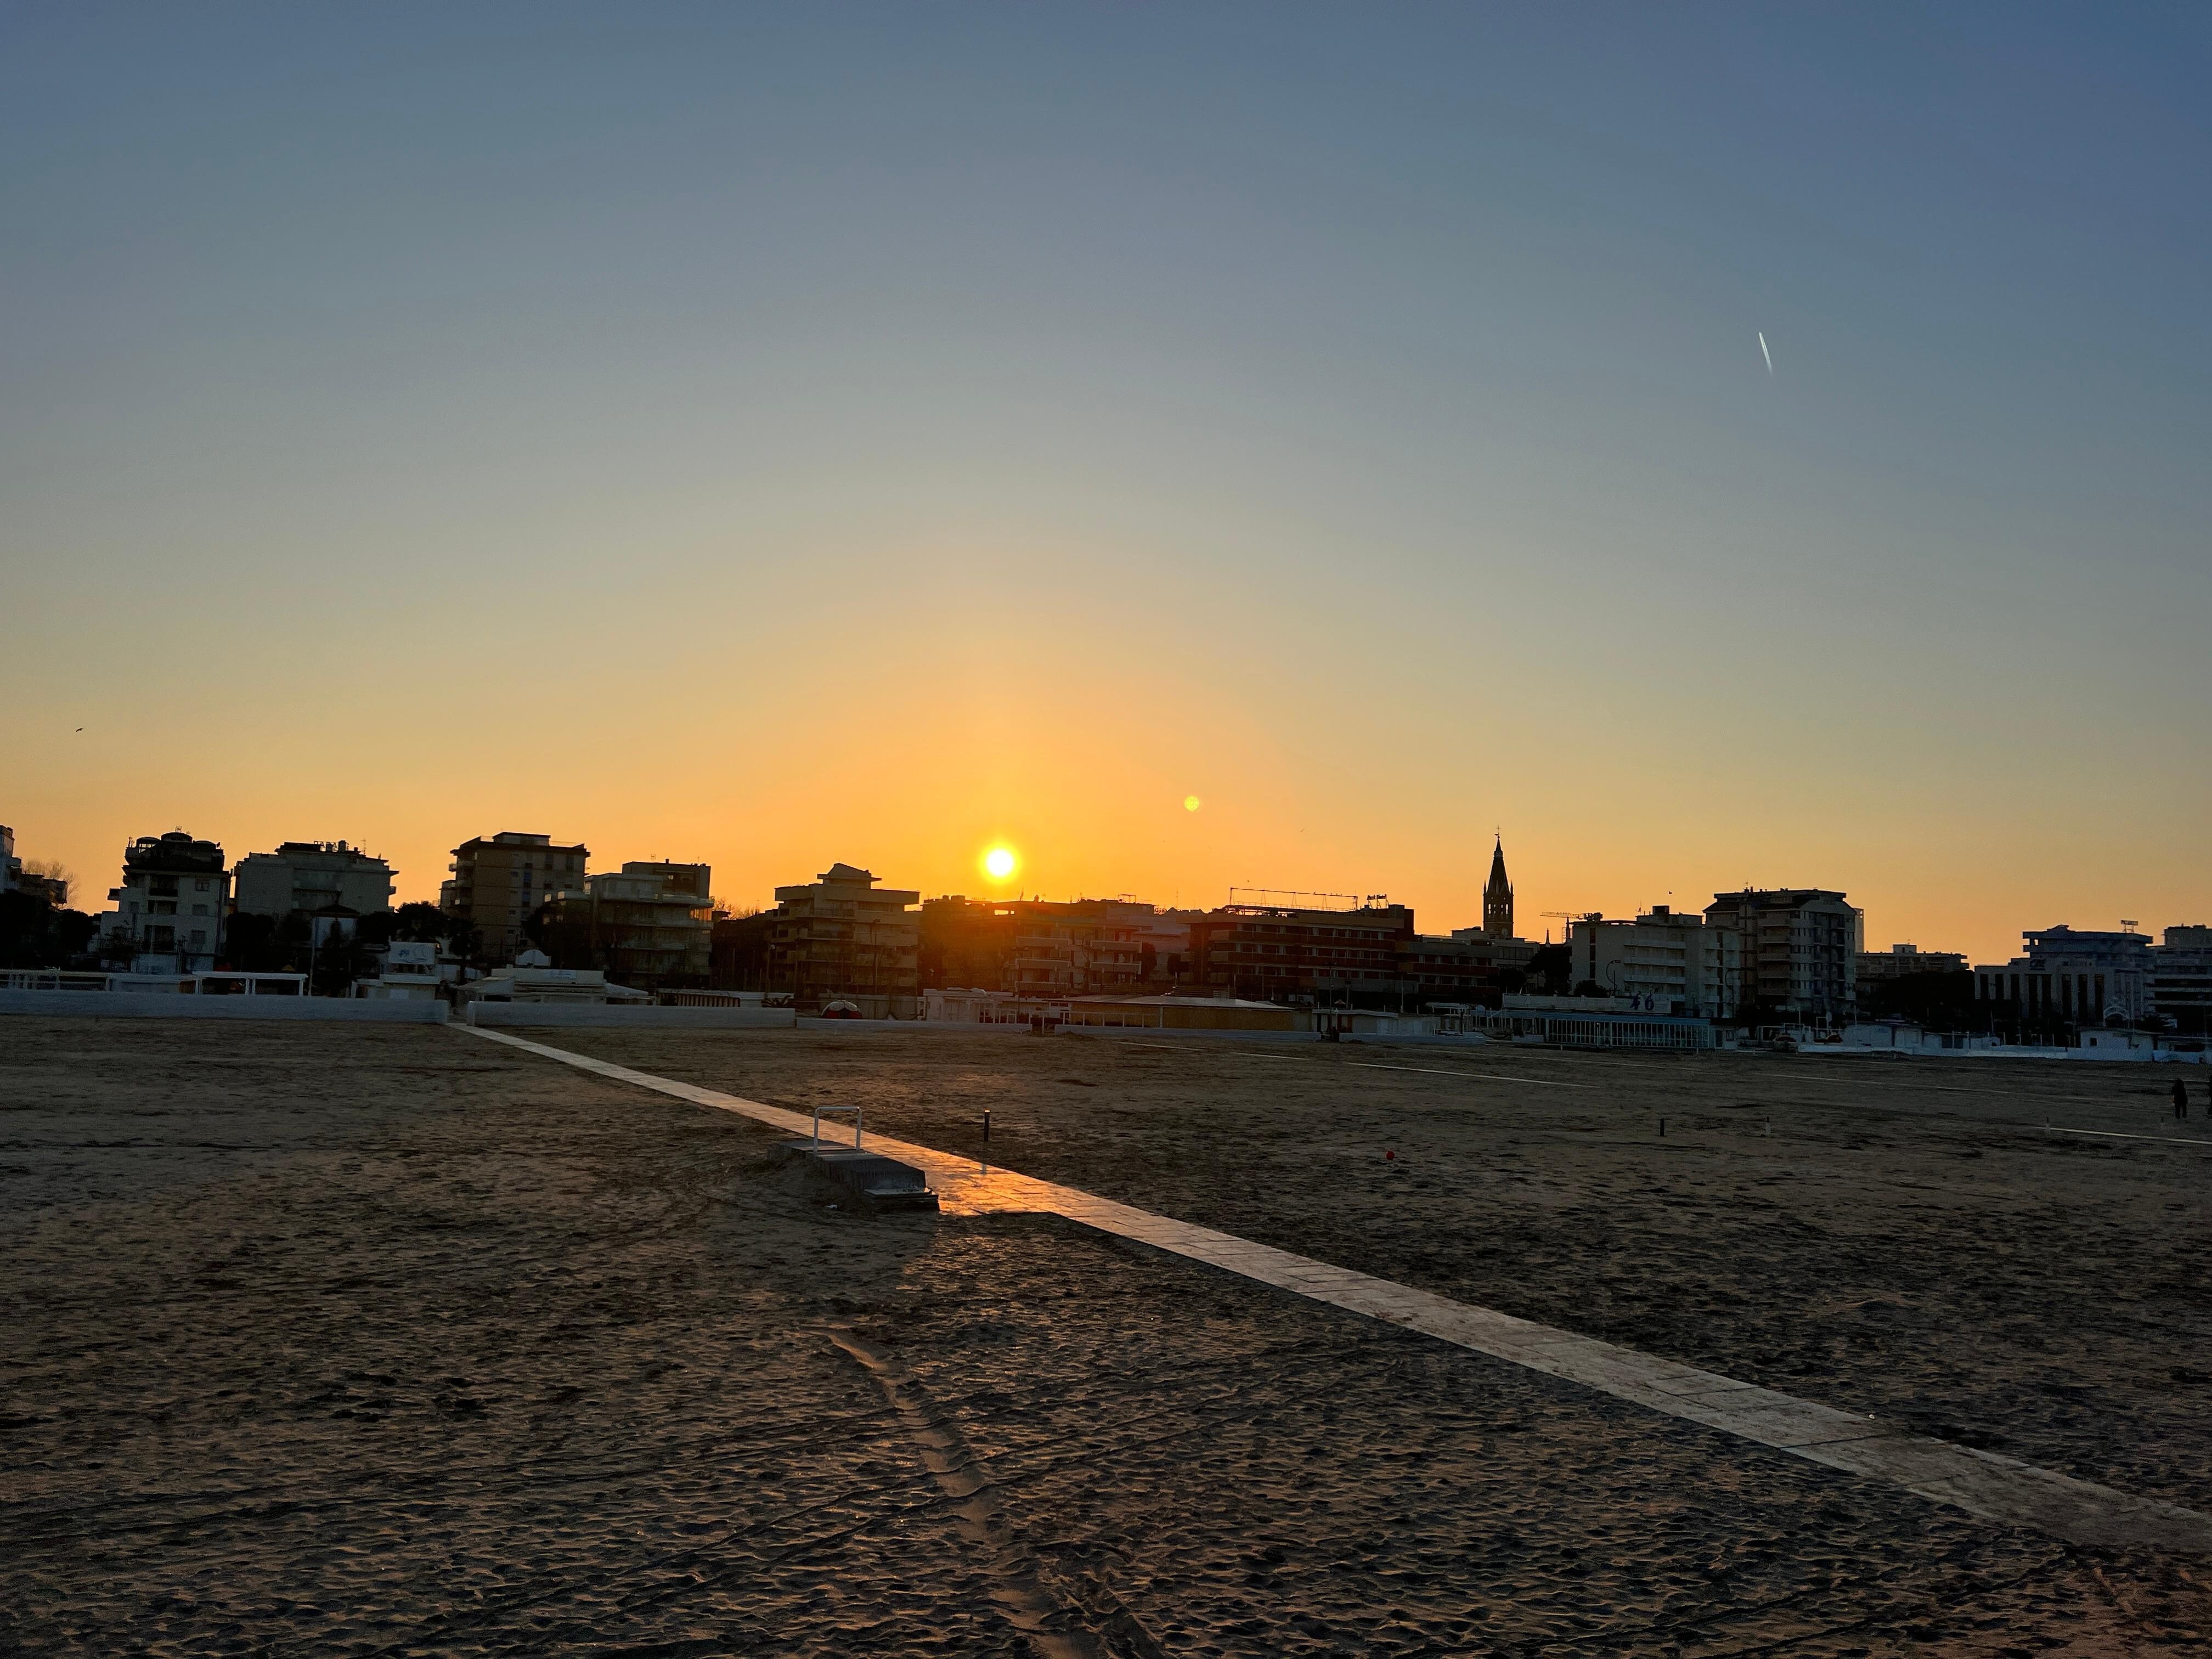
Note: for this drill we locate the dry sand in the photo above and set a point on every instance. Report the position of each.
(361, 1340)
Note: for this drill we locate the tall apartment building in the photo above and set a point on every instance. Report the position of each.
(1798, 949)
(170, 906)
(499, 881)
(2067, 978)
(648, 923)
(1673, 962)
(837, 939)
(316, 877)
(1269, 953)
(2181, 978)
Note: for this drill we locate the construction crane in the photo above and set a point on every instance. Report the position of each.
(1571, 917)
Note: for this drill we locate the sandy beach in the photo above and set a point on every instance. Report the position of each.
(382, 1341)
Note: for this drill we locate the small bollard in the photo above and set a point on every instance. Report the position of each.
(987, 1128)
(1662, 1128)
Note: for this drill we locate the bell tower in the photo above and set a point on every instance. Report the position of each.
(1497, 895)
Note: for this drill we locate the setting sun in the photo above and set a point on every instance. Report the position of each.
(999, 863)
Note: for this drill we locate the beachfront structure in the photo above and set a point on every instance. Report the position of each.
(1666, 961)
(971, 1005)
(1497, 895)
(498, 883)
(410, 973)
(315, 878)
(1051, 948)
(1905, 1036)
(531, 979)
(1798, 950)
(1268, 953)
(1590, 1022)
(2069, 978)
(1170, 1014)
(837, 939)
(169, 909)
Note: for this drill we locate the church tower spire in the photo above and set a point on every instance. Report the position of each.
(1497, 895)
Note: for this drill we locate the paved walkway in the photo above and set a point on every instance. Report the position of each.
(1996, 1488)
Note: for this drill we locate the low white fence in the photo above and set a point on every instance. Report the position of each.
(134, 1005)
(628, 1016)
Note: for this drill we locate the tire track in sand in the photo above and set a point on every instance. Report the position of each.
(1063, 1612)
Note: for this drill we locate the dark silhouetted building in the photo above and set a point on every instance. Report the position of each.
(838, 939)
(1051, 948)
(1269, 953)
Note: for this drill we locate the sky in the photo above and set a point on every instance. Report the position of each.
(775, 435)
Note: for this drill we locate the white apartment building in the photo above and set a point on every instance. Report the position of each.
(1798, 949)
(171, 905)
(1664, 962)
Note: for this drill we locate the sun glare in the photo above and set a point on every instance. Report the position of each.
(999, 863)
(1190, 803)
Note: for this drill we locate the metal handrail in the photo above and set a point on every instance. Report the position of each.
(859, 1117)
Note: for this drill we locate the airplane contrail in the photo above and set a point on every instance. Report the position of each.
(1764, 353)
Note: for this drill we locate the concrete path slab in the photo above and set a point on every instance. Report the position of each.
(1999, 1489)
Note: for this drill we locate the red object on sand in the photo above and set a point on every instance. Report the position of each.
(1389, 1154)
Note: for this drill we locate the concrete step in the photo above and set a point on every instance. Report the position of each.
(880, 1183)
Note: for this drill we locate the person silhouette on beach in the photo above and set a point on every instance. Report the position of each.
(2181, 1099)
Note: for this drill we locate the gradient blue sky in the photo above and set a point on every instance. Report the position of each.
(777, 436)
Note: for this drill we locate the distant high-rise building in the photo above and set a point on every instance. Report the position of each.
(1798, 947)
(171, 904)
(2071, 977)
(2181, 978)
(1673, 962)
(316, 877)
(646, 925)
(837, 939)
(1294, 953)
(1498, 897)
(499, 882)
